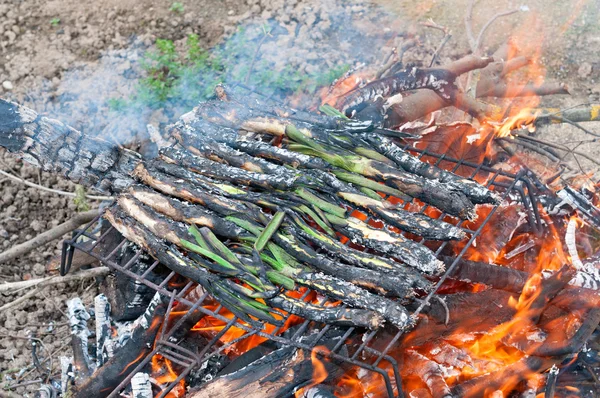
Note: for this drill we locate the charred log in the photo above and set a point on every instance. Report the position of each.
(144, 331)
(277, 374)
(53, 146)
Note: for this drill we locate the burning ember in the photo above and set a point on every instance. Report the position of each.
(392, 242)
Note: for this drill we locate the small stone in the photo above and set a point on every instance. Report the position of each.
(584, 70)
(10, 35)
(39, 269)
(7, 85)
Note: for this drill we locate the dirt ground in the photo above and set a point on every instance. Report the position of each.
(66, 57)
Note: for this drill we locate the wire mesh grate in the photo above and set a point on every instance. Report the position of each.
(515, 187)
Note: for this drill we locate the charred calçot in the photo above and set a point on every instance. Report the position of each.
(276, 205)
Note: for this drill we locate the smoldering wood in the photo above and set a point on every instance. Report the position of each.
(318, 391)
(104, 345)
(56, 147)
(277, 374)
(515, 372)
(66, 373)
(78, 317)
(509, 279)
(429, 372)
(141, 387)
(576, 342)
(498, 277)
(128, 297)
(126, 358)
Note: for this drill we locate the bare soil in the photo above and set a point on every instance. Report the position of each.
(61, 57)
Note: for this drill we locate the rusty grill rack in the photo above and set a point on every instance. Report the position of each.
(514, 187)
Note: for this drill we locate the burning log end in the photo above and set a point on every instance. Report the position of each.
(277, 374)
(117, 368)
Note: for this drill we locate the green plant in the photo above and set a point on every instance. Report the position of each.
(80, 199)
(185, 77)
(177, 8)
(54, 22)
(117, 104)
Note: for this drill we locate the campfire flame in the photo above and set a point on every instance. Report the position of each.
(463, 353)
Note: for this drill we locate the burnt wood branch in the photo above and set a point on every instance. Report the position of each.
(127, 357)
(53, 146)
(78, 317)
(276, 374)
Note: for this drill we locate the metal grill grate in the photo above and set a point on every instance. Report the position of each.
(517, 187)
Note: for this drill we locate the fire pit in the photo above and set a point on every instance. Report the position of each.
(348, 251)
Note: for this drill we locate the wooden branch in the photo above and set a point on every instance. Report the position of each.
(56, 191)
(469, 25)
(48, 236)
(53, 280)
(20, 300)
(504, 89)
(487, 25)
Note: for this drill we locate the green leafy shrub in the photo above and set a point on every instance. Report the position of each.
(187, 77)
(177, 8)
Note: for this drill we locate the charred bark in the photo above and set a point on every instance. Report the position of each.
(277, 374)
(53, 146)
(126, 358)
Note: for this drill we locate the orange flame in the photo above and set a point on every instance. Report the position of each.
(319, 372)
(163, 373)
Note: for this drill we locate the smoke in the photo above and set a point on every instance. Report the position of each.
(291, 53)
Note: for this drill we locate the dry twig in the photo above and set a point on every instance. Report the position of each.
(48, 236)
(20, 300)
(53, 280)
(56, 191)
